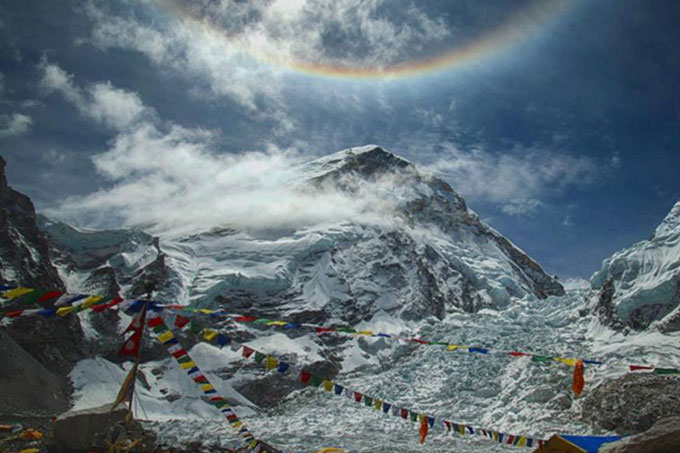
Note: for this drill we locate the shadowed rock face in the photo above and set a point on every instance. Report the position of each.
(663, 437)
(632, 403)
(24, 260)
(23, 247)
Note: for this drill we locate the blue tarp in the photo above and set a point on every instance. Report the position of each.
(590, 443)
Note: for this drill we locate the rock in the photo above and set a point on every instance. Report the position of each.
(632, 403)
(663, 437)
(83, 429)
(28, 388)
(77, 429)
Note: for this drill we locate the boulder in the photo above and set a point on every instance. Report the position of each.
(632, 403)
(663, 437)
(83, 429)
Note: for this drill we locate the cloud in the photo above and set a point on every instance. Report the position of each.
(14, 124)
(101, 102)
(517, 181)
(172, 179)
(174, 182)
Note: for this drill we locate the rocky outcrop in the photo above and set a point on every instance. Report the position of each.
(27, 387)
(663, 437)
(81, 430)
(632, 403)
(24, 260)
(24, 257)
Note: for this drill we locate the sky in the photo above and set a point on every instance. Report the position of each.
(558, 121)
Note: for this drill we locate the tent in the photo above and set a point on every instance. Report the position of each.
(575, 444)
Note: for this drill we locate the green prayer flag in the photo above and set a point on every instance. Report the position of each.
(262, 321)
(666, 371)
(315, 381)
(160, 328)
(195, 328)
(259, 357)
(540, 358)
(368, 401)
(32, 297)
(414, 417)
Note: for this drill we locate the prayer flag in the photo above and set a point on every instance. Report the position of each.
(386, 407)
(283, 367)
(377, 404)
(209, 334)
(247, 352)
(423, 430)
(245, 319)
(338, 389)
(223, 340)
(181, 321)
(579, 382)
(271, 363)
(14, 293)
(357, 397)
(259, 357)
(404, 413)
(479, 350)
(327, 385)
(368, 401)
(304, 376)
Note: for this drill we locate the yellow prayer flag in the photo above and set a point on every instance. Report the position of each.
(377, 404)
(16, 292)
(453, 347)
(461, 430)
(522, 442)
(494, 434)
(63, 311)
(253, 444)
(364, 332)
(187, 365)
(277, 323)
(271, 363)
(87, 303)
(205, 311)
(570, 362)
(165, 336)
(327, 385)
(237, 424)
(206, 387)
(209, 334)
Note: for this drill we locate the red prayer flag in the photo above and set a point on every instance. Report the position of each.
(357, 397)
(325, 329)
(50, 295)
(305, 377)
(132, 343)
(423, 430)
(404, 413)
(245, 319)
(448, 425)
(157, 321)
(14, 313)
(181, 321)
(511, 439)
(579, 382)
(415, 340)
(518, 354)
(247, 352)
(639, 367)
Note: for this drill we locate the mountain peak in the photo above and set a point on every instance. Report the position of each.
(670, 224)
(367, 160)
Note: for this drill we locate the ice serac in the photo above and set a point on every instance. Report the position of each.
(640, 285)
(415, 251)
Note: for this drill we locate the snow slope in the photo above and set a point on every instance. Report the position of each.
(641, 283)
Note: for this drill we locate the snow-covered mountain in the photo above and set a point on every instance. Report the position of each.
(416, 251)
(640, 285)
(411, 260)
